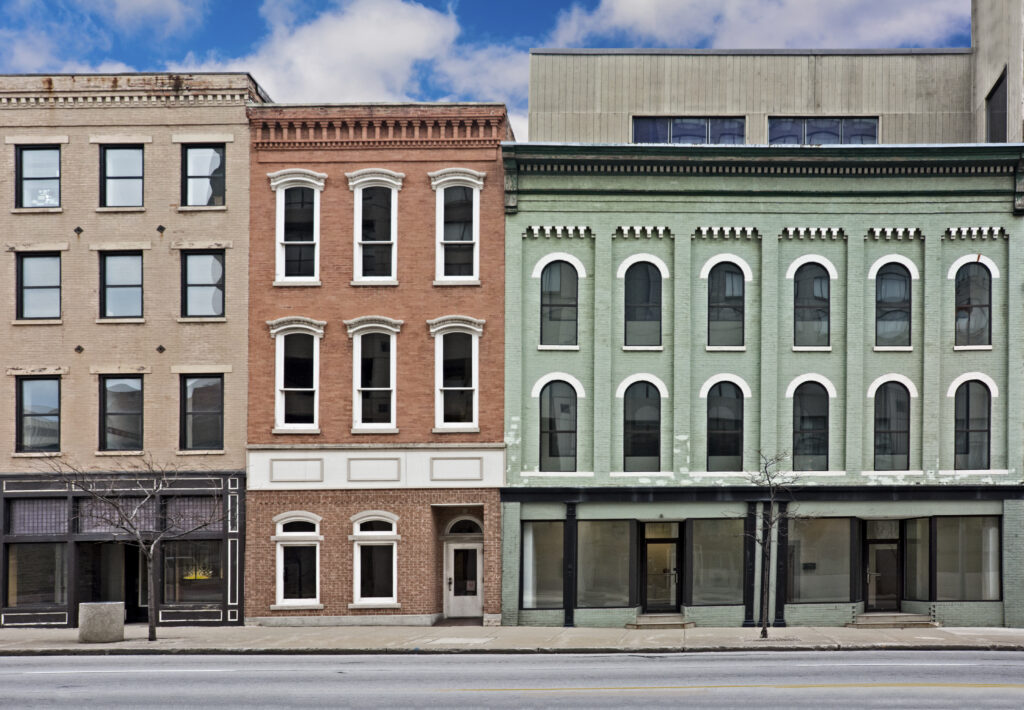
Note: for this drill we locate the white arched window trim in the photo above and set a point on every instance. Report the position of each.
(357, 182)
(993, 388)
(891, 377)
(285, 540)
(725, 377)
(538, 268)
(279, 330)
(440, 180)
(973, 259)
(705, 271)
(620, 392)
(636, 259)
(280, 181)
(459, 519)
(374, 539)
(552, 377)
(812, 377)
(833, 273)
(893, 259)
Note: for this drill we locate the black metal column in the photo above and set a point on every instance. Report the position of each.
(749, 556)
(569, 562)
(781, 566)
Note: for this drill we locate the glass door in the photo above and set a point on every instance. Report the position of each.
(882, 556)
(661, 567)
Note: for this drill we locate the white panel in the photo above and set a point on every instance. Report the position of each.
(460, 469)
(291, 470)
(389, 469)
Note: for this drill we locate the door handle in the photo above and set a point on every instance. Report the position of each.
(449, 584)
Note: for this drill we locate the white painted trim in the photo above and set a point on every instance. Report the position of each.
(993, 388)
(293, 180)
(553, 376)
(441, 180)
(641, 377)
(972, 347)
(360, 601)
(296, 177)
(812, 348)
(375, 177)
(894, 348)
(973, 259)
(450, 525)
(356, 333)
(556, 474)
(637, 474)
(705, 271)
(833, 273)
(538, 268)
(357, 186)
(725, 377)
(891, 377)
(284, 332)
(439, 333)
(566, 348)
(976, 472)
(301, 515)
(365, 515)
(449, 177)
(295, 539)
(722, 474)
(637, 258)
(725, 348)
(888, 474)
(812, 377)
(893, 258)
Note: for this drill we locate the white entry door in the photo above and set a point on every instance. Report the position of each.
(463, 579)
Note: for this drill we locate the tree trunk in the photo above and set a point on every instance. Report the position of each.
(151, 557)
(766, 574)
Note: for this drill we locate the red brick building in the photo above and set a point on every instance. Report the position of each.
(376, 363)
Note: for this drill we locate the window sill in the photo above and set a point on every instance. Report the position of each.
(558, 347)
(138, 208)
(38, 321)
(202, 319)
(283, 430)
(972, 347)
(375, 605)
(894, 348)
(456, 430)
(643, 348)
(382, 430)
(37, 454)
(467, 282)
(297, 282)
(296, 607)
(725, 348)
(368, 282)
(120, 453)
(37, 210)
(200, 452)
(203, 208)
(812, 348)
(116, 321)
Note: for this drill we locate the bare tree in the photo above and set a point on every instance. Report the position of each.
(136, 505)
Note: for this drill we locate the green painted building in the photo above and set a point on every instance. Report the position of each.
(674, 313)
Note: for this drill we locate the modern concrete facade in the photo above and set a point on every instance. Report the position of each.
(126, 247)
(376, 363)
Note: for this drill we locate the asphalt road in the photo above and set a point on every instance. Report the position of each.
(947, 679)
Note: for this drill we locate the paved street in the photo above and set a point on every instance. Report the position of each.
(949, 679)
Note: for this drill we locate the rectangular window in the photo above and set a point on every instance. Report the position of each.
(37, 516)
(121, 176)
(297, 375)
(967, 559)
(120, 413)
(376, 233)
(376, 571)
(822, 130)
(300, 232)
(689, 130)
(375, 389)
(36, 574)
(916, 556)
(202, 413)
(121, 284)
(202, 284)
(299, 572)
(202, 175)
(193, 571)
(38, 414)
(458, 241)
(819, 560)
(456, 358)
(543, 547)
(38, 177)
(716, 575)
(604, 563)
(995, 112)
(38, 286)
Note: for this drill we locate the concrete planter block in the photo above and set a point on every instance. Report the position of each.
(101, 622)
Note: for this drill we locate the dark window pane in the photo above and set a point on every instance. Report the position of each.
(558, 427)
(973, 305)
(458, 259)
(375, 369)
(298, 214)
(725, 305)
(376, 260)
(860, 131)
(643, 305)
(300, 259)
(810, 428)
(376, 571)
(973, 428)
(299, 407)
(376, 406)
(36, 574)
(727, 131)
(39, 414)
(376, 214)
(37, 516)
(122, 414)
(725, 428)
(691, 131)
(785, 131)
(641, 440)
(811, 306)
(892, 306)
(457, 369)
(823, 131)
(650, 130)
(967, 558)
(458, 214)
(299, 571)
(203, 413)
(892, 427)
(298, 526)
(376, 526)
(298, 361)
(193, 571)
(995, 112)
(558, 304)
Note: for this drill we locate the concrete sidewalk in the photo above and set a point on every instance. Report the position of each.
(506, 639)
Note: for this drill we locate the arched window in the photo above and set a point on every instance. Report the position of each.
(892, 306)
(558, 427)
(725, 305)
(973, 425)
(810, 428)
(811, 306)
(457, 256)
(892, 427)
(641, 431)
(643, 304)
(373, 372)
(298, 224)
(559, 299)
(297, 373)
(973, 305)
(725, 428)
(298, 558)
(375, 556)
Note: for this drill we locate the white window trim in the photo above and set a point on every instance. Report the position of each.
(303, 539)
(280, 328)
(439, 181)
(821, 261)
(981, 377)
(280, 181)
(725, 377)
(892, 377)
(357, 182)
(748, 273)
(812, 377)
(440, 327)
(357, 328)
(359, 539)
(972, 259)
(903, 261)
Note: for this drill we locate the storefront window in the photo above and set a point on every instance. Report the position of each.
(915, 585)
(967, 555)
(717, 572)
(193, 571)
(819, 560)
(36, 574)
(542, 565)
(603, 577)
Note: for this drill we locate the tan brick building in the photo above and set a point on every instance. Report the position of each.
(375, 363)
(124, 326)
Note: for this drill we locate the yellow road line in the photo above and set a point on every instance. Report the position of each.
(778, 686)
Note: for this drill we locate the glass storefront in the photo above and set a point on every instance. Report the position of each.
(967, 554)
(604, 563)
(717, 553)
(543, 547)
(193, 571)
(819, 560)
(36, 574)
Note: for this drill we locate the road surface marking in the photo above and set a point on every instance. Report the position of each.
(775, 686)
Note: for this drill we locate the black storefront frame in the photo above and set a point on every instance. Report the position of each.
(639, 570)
(230, 485)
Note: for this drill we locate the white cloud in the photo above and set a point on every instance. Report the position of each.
(165, 17)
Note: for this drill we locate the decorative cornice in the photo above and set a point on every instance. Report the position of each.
(296, 324)
(641, 232)
(123, 100)
(975, 233)
(446, 177)
(569, 166)
(726, 233)
(558, 232)
(297, 177)
(455, 323)
(284, 132)
(375, 177)
(358, 326)
(897, 233)
(833, 233)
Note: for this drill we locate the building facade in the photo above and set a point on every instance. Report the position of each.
(376, 362)
(126, 247)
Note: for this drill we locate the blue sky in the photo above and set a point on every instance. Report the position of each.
(385, 50)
